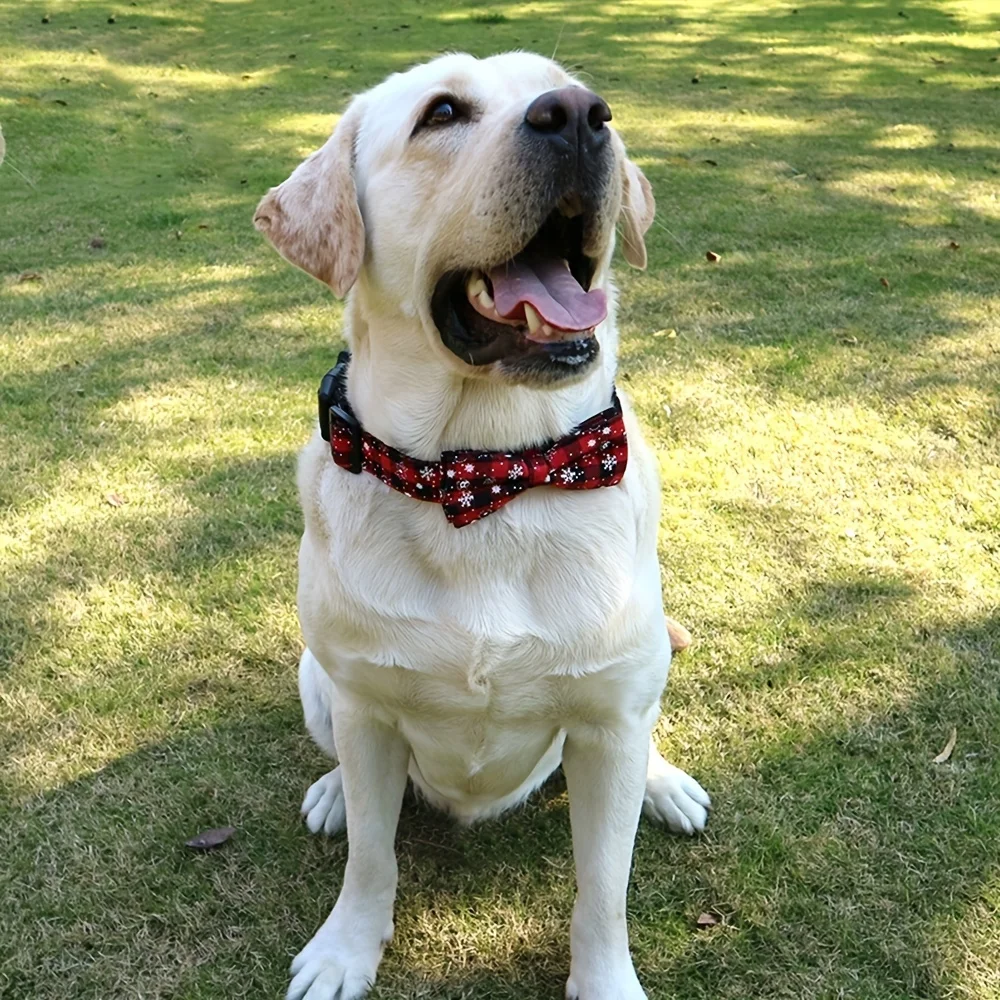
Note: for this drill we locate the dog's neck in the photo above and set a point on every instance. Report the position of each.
(405, 393)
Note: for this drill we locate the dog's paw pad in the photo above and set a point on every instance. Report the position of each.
(677, 800)
(323, 806)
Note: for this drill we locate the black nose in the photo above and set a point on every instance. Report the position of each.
(572, 117)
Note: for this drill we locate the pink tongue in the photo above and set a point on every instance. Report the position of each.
(546, 284)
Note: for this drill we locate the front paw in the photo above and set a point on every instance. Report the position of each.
(609, 984)
(339, 963)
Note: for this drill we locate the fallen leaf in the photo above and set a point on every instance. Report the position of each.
(711, 163)
(114, 499)
(670, 334)
(97, 243)
(953, 245)
(712, 257)
(706, 920)
(60, 101)
(884, 282)
(209, 839)
(29, 276)
(948, 747)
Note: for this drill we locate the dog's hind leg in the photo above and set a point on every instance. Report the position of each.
(673, 797)
(323, 806)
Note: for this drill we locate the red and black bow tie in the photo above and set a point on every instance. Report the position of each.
(471, 484)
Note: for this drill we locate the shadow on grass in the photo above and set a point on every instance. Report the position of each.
(813, 824)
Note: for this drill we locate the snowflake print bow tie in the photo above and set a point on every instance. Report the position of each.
(470, 485)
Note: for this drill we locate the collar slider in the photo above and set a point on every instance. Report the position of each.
(333, 404)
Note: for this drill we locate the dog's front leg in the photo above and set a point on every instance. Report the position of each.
(340, 962)
(605, 775)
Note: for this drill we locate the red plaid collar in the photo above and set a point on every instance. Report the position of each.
(472, 484)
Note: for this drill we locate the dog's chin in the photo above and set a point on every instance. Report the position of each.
(521, 347)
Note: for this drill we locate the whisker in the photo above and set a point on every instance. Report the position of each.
(562, 28)
(27, 180)
(656, 222)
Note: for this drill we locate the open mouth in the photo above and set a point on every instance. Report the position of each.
(536, 311)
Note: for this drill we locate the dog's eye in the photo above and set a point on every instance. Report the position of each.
(443, 111)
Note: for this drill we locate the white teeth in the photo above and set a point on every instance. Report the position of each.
(475, 285)
(546, 330)
(484, 299)
(534, 320)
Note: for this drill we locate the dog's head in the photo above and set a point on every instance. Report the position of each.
(480, 198)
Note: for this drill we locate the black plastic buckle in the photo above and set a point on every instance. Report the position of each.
(333, 402)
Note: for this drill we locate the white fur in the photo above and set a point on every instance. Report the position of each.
(474, 660)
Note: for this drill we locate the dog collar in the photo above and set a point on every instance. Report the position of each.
(469, 484)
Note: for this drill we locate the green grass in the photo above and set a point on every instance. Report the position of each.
(831, 500)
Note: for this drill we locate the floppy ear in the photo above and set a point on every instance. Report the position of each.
(313, 218)
(638, 209)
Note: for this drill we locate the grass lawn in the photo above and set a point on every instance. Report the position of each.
(824, 403)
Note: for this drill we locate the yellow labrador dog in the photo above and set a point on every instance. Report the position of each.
(478, 578)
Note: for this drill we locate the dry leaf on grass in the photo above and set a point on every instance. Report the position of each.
(712, 257)
(706, 920)
(953, 245)
(945, 754)
(114, 499)
(209, 839)
(884, 282)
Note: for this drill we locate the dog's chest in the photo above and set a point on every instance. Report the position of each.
(476, 726)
